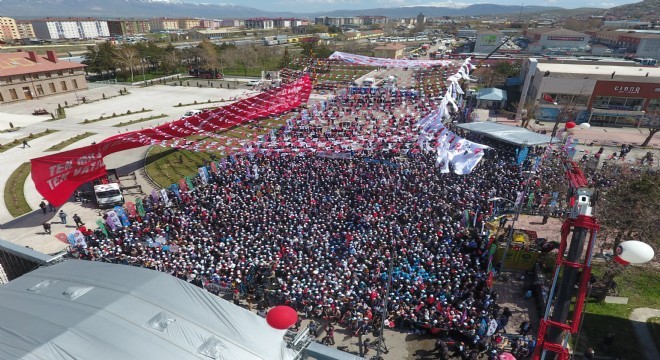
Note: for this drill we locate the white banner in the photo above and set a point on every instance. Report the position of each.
(381, 62)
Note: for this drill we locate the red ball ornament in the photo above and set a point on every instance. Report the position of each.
(281, 317)
(570, 125)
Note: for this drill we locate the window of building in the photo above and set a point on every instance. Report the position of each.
(13, 94)
(40, 89)
(48, 74)
(52, 87)
(23, 78)
(70, 71)
(1, 98)
(59, 73)
(654, 105)
(35, 76)
(74, 82)
(63, 83)
(8, 79)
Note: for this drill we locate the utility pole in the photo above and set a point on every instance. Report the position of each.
(387, 297)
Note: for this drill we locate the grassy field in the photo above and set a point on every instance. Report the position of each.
(13, 194)
(641, 284)
(167, 166)
(28, 138)
(140, 120)
(65, 143)
(114, 115)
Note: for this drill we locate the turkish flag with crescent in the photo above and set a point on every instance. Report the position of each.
(549, 99)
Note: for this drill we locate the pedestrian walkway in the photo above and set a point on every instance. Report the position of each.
(644, 337)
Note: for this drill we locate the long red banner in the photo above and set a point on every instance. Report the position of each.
(57, 176)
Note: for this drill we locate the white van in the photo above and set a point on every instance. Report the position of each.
(192, 112)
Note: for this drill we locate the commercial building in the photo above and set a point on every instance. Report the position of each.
(641, 43)
(24, 75)
(70, 28)
(8, 29)
(487, 41)
(389, 51)
(597, 92)
(551, 38)
(128, 27)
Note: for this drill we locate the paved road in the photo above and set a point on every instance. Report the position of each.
(638, 318)
(27, 229)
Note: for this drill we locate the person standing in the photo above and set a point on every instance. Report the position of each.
(42, 205)
(78, 220)
(25, 144)
(63, 216)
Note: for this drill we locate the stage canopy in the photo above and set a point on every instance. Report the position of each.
(492, 94)
(507, 133)
(91, 310)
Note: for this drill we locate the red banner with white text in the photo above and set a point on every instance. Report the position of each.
(57, 176)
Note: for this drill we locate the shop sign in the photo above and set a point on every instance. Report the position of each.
(623, 89)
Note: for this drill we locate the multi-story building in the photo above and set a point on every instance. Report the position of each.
(25, 30)
(373, 20)
(487, 40)
(160, 24)
(188, 23)
(26, 75)
(598, 92)
(259, 23)
(8, 29)
(210, 23)
(641, 43)
(128, 27)
(551, 38)
(70, 28)
(232, 22)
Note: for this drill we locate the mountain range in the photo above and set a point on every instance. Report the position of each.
(157, 8)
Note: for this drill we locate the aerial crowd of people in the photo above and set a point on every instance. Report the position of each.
(322, 233)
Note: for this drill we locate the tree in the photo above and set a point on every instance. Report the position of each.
(101, 58)
(529, 110)
(209, 54)
(653, 123)
(629, 212)
(128, 57)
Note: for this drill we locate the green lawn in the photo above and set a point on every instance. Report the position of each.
(641, 284)
(14, 196)
(61, 145)
(166, 166)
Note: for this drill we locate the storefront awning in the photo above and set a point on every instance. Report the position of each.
(506, 133)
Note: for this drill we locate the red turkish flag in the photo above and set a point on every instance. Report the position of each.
(549, 99)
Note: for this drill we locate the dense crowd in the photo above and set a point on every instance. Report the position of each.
(319, 234)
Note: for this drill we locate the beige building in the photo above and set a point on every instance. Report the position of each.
(24, 75)
(164, 24)
(8, 29)
(25, 29)
(187, 23)
(390, 51)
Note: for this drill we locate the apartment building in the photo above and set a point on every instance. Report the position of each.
(160, 24)
(70, 28)
(8, 29)
(25, 30)
(128, 27)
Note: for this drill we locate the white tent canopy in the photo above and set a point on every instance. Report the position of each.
(91, 310)
(507, 133)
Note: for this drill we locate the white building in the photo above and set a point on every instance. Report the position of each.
(564, 39)
(70, 28)
(487, 41)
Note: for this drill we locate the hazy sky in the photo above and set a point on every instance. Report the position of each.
(319, 5)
